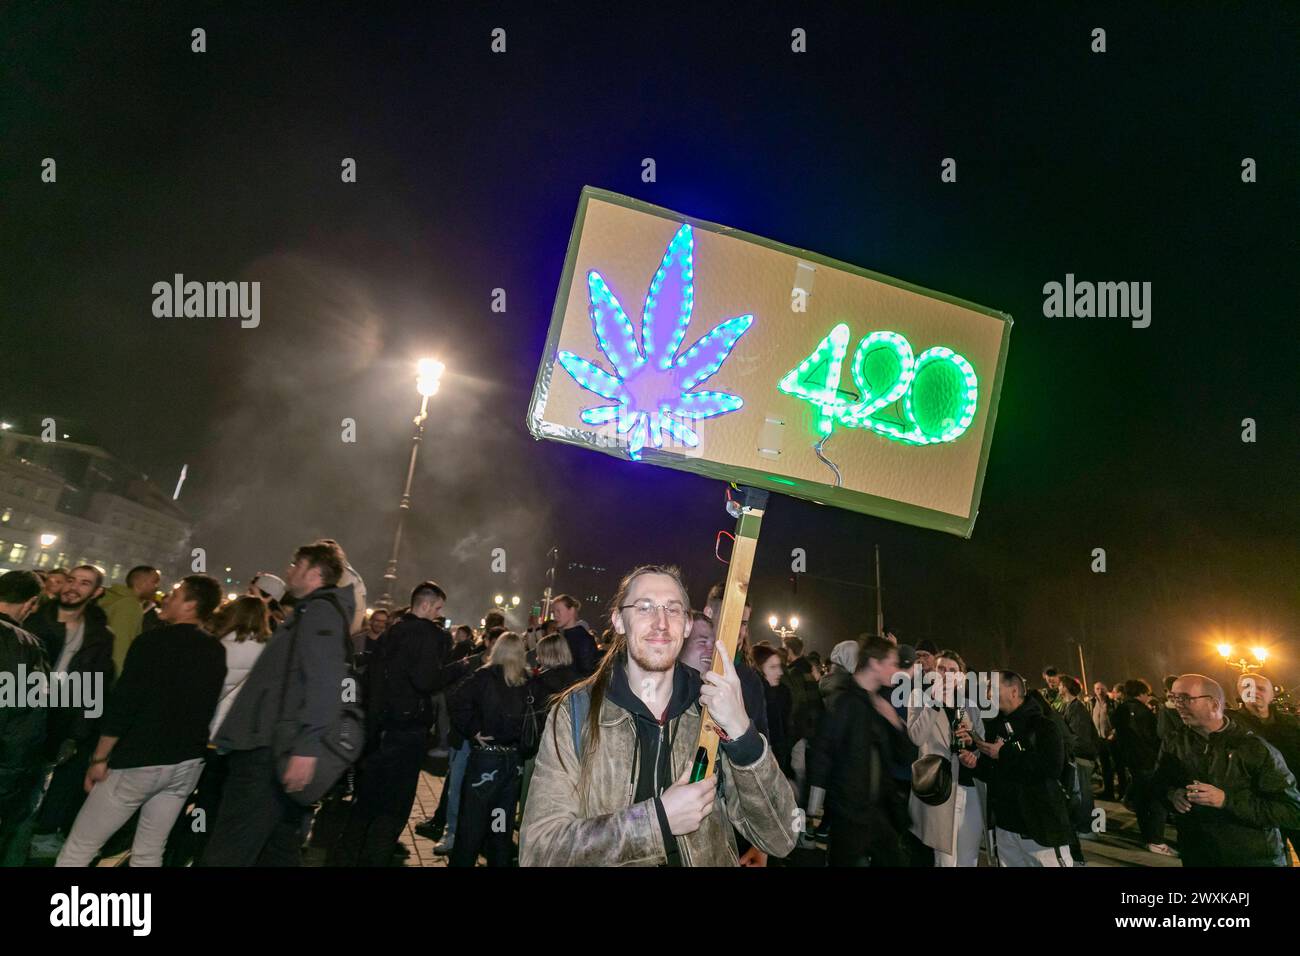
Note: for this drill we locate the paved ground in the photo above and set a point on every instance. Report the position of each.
(1119, 843)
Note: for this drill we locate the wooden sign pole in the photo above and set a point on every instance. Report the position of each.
(749, 520)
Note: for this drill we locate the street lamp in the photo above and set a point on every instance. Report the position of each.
(428, 378)
(502, 606)
(1259, 653)
(777, 628)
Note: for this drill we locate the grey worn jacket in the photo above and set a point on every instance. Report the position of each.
(314, 691)
(757, 800)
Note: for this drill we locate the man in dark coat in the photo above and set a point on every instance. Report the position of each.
(849, 766)
(407, 669)
(1230, 790)
(22, 728)
(79, 646)
(1023, 766)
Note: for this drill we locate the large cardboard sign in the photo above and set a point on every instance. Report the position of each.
(686, 344)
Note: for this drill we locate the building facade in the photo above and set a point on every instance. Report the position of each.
(64, 503)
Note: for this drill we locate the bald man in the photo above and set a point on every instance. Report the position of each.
(1281, 729)
(1230, 790)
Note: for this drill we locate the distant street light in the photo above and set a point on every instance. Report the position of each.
(1241, 663)
(48, 539)
(502, 606)
(428, 378)
(774, 623)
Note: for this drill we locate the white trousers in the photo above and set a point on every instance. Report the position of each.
(969, 824)
(159, 793)
(1016, 850)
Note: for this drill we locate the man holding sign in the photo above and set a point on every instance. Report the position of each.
(616, 792)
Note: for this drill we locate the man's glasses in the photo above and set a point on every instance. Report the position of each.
(1182, 700)
(646, 608)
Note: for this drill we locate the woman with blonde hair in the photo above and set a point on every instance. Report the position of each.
(489, 709)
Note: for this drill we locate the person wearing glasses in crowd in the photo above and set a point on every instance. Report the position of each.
(618, 792)
(1230, 790)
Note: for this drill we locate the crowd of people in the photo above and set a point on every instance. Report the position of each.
(227, 724)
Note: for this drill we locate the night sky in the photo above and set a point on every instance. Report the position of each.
(1122, 166)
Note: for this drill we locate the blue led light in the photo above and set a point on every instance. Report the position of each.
(652, 382)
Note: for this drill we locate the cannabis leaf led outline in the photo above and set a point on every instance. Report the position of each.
(651, 387)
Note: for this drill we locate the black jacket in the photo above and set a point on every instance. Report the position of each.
(95, 656)
(1167, 720)
(1281, 730)
(1025, 793)
(162, 707)
(850, 761)
(806, 700)
(1136, 737)
(583, 648)
(22, 728)
(779, 706)
(832, 685)
(407, 667)
(1261, 797)
(1084, 732)
(457, 672)
(485, 704)
(546, 684)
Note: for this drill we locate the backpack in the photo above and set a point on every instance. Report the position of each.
(579, 707)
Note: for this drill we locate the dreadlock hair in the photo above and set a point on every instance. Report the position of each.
(598, 683)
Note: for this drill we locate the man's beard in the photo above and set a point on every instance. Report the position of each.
(73, 606)
(647, 663)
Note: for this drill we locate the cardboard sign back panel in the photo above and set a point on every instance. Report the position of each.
(757, 433)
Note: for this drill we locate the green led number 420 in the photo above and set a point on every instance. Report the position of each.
(933, 395)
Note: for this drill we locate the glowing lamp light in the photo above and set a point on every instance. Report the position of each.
(499, 599)
(1225, 650)
(429, 372)
(515, 600)
(48, 539)
(794, 623)
(232, 596)
(772, 622)
(5, 426)
(1260, 653)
